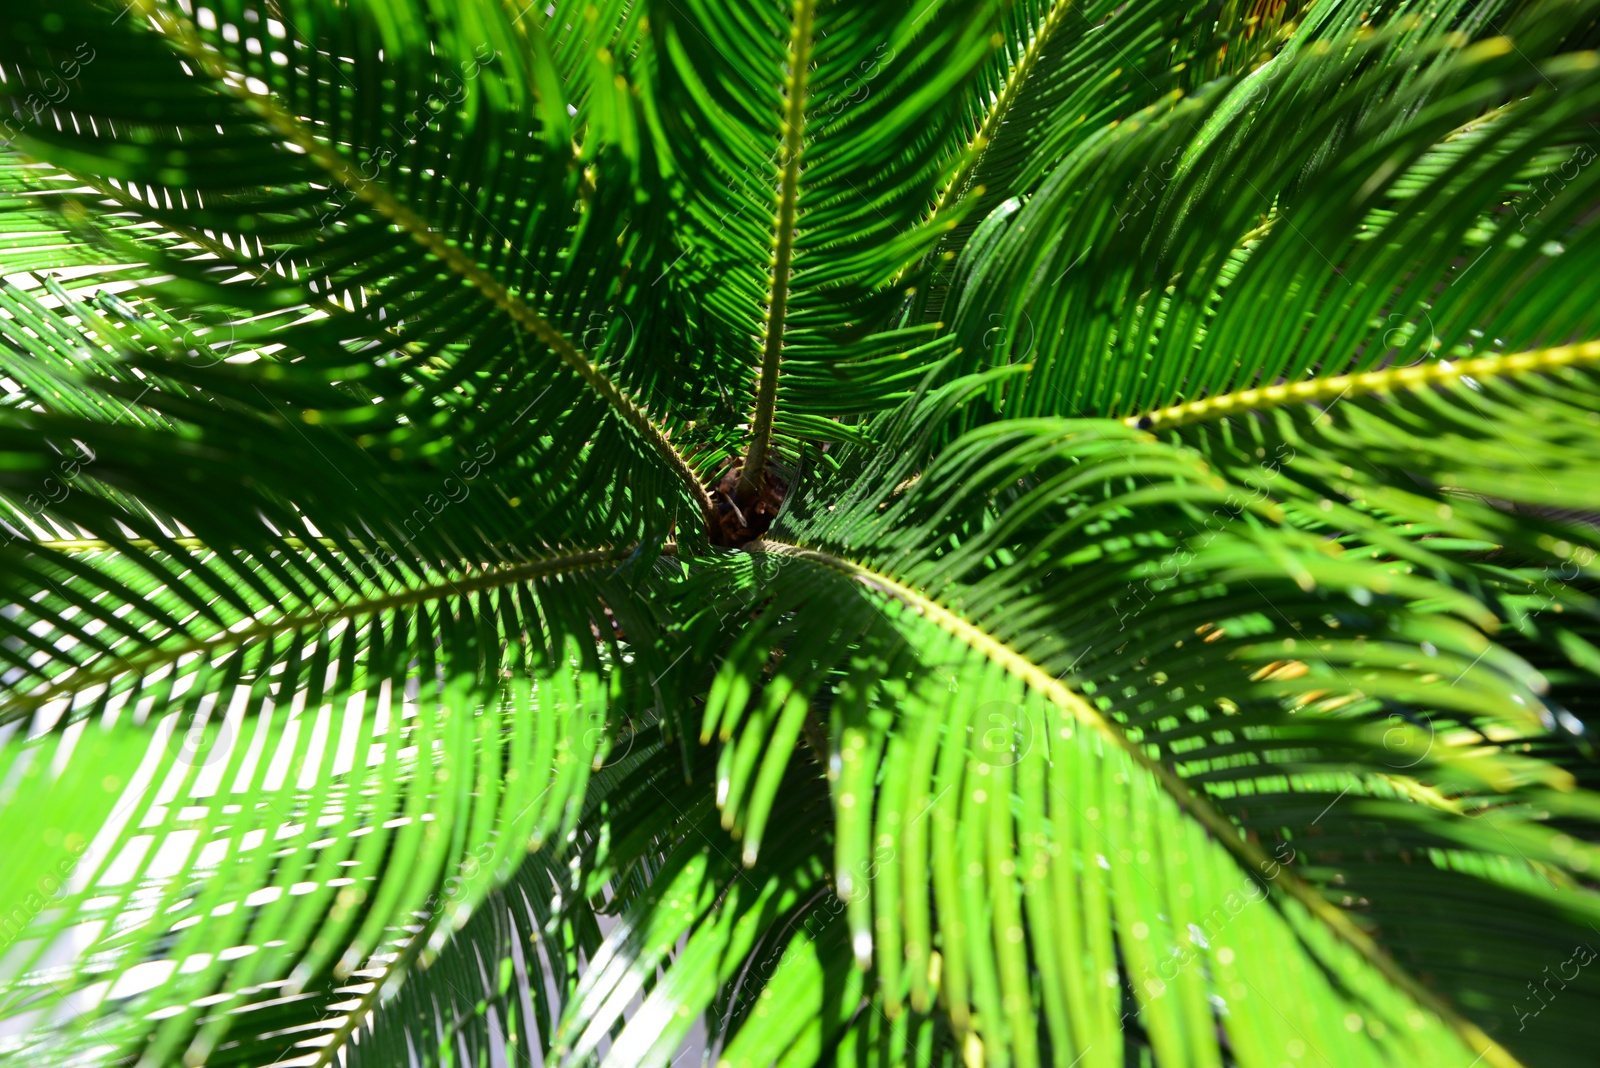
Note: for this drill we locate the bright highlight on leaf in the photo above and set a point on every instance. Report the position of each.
(638, 532)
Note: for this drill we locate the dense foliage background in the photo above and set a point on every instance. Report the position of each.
(938, 532)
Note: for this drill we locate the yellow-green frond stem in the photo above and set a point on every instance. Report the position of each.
(1081, 711)
(96, 545)
(783, 229)
(74, 681)
(293, 131)
(996, 115)
(1348, 387)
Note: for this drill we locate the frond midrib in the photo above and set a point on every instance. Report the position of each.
(292, 130)
(362, 1011)
(1215, 823)
(94, 545)
(784, 221)
(76, 680)
(1350, 386)
(1015, 79)
(230, 256)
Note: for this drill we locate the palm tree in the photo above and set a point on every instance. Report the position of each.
(938, 532)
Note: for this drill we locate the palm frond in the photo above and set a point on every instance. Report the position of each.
(1126, 301)
(1077, 578)
(318, 198)
(958, 533)
(794, 221)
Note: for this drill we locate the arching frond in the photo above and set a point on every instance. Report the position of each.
(970, 532)
(1250, 656)
(1378, 233)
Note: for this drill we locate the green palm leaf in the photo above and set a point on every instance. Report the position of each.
(906, 533)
